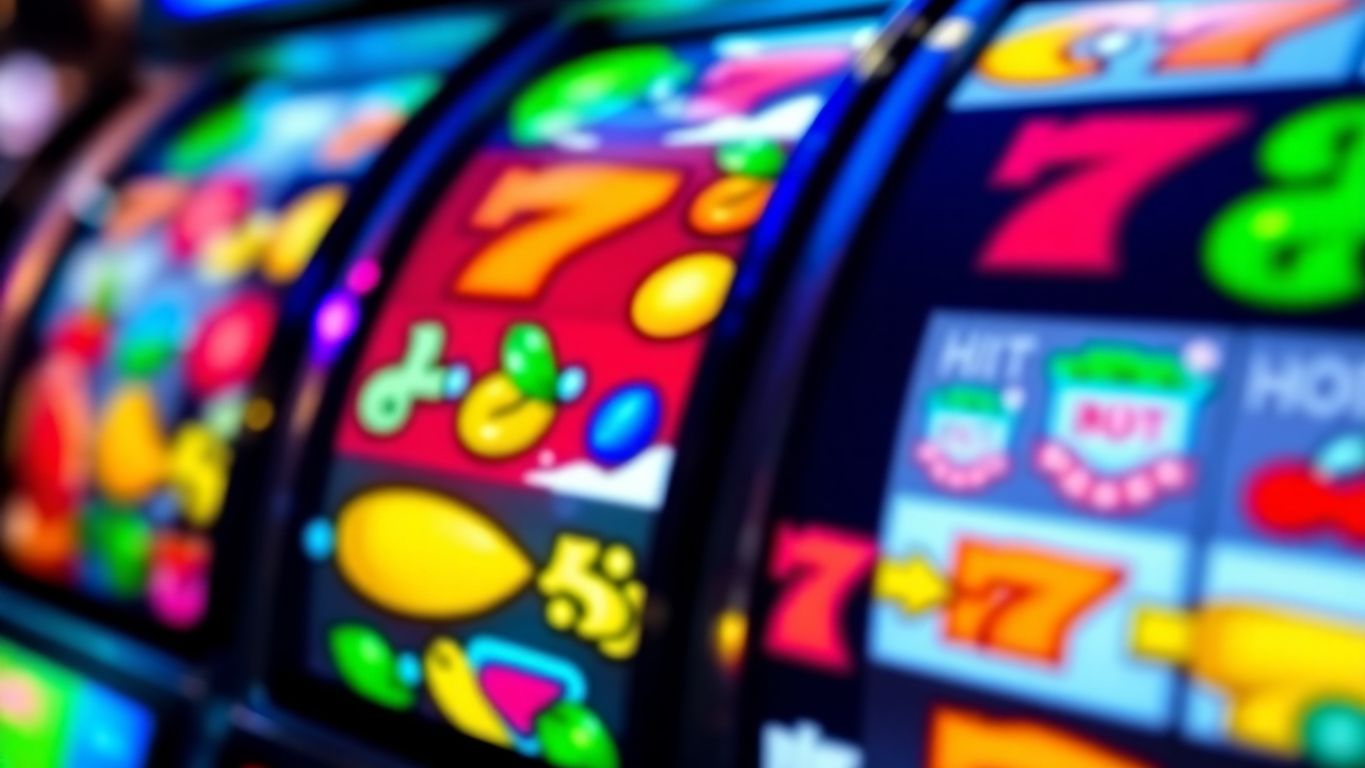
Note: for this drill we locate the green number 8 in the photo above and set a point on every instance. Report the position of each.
(1296, 246)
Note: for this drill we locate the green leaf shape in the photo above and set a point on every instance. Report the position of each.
(573, 736)
(757, 158)
(1122, 365)
(528, 358)
(204, 143)
(121, 539)
(369, 666)
(594, 88)
(973, 399)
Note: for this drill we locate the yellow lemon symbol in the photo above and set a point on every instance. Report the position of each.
(455, 689)
(425, 556)
(130, 451)
(232, 255)
(497, 420)
(199, 465)
(683, 296)
(301, 231)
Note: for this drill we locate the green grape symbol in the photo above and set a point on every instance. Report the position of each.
(1296, 246)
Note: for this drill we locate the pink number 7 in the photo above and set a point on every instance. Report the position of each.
(743, 85)
(1092, 171)
(819, 568)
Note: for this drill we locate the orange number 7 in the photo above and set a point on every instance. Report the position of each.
(1021, 601)
(1238, 34)
(960, 739)
(548, 215)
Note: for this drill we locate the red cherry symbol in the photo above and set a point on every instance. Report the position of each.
(231, 344)
(1286, 499)
(54, 428)
(212, 209)
(84, 335)
(1348, 507)
(178, 590)
(1290, 499)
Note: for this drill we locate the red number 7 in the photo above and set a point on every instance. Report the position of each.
(1093, 172)
(820, 568)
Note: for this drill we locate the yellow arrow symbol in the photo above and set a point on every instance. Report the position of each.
(914, 584)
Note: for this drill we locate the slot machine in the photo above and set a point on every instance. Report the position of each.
(148, 316)
(514, 410)
(1072, 473)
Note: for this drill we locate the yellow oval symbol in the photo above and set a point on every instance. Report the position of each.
(425, 556)
(300, 232)
(228, 257)
(730, 206)
(198, 470)
(498, 421)
(130, 451)
(683, 296)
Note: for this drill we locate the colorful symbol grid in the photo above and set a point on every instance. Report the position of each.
(1062, 53)
(993, 586)
(155, 325)
(521, 392)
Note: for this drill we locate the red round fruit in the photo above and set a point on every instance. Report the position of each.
(212, 209)
(231, 344)
(1287, 499)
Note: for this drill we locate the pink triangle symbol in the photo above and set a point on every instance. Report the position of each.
(519, 696)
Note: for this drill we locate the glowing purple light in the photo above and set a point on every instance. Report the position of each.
(336, 320)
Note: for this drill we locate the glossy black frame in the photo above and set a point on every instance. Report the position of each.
(741, 383)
